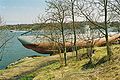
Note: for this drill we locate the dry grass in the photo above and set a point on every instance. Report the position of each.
(49, 68)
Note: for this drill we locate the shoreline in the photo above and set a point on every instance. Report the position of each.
(20, 60)
(27, 65)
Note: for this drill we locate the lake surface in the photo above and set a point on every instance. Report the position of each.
(15, 51)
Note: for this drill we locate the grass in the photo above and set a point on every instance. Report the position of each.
(105, 70)
(99, 69)
(1, 71)
(44, 72)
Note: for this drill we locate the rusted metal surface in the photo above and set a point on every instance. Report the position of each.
(53, 47)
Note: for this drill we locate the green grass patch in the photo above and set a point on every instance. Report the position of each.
(1, 71)
(99, 69)
(44, 72)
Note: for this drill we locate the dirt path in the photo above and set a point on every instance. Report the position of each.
(27, 65)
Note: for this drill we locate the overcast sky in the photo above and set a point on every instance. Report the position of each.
(21, 11)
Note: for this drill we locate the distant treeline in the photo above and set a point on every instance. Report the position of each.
(39, 26)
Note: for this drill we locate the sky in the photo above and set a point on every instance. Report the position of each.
(21, 11)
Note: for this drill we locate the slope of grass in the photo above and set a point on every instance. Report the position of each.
(49, 68)
(100, 69)
(109, 70)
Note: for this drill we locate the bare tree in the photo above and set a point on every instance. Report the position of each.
(114, 5)
(106, 28)
(1, 21)
(72, 11)
(57, 11)
(74, 28)
(101, 19)
(4, 38)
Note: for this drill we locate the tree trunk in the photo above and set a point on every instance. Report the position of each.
(74, 31)
(64, 47)
(106, 31)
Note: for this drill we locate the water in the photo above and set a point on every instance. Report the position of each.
(15, 51)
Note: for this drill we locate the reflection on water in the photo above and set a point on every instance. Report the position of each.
(14, 49)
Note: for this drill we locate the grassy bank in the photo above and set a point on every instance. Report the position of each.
(49, 68)
(100, 69)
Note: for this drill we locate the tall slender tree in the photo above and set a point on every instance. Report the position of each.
(100, 10)
(74, 28)
(106, 28)
(57, 11)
